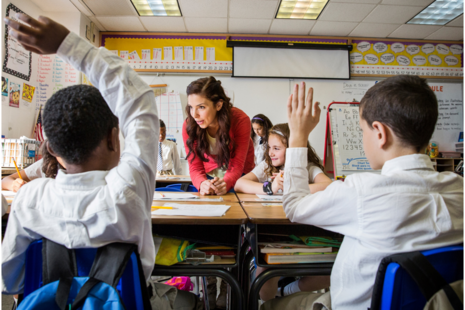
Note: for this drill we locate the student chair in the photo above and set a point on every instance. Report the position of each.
(168, 189)
(395, 289)
(131, 287)
(184, 187)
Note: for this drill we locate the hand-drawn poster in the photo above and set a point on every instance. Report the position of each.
(4, 86)
(17, 60)
(14, 94)
(28, 92)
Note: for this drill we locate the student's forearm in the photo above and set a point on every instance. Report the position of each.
(316, 187)
(7, 182)
(248, 187)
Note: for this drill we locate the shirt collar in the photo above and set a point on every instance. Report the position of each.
(84, 180)
(407, 162)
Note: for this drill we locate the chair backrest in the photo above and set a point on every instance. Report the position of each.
(131, 287)
(190, 188)
(168, 189)
(399, 290)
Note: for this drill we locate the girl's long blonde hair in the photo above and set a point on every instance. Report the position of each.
(283, 132)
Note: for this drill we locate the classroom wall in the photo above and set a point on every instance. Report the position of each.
(17, 122)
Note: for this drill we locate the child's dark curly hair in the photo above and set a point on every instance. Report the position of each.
(76, 119)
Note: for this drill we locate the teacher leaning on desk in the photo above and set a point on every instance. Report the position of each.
(216, 137)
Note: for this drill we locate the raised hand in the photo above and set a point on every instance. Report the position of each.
(42, 36)
(300, 117)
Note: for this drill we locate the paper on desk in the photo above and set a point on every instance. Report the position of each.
(270, 197)
(171, 196)
(193, 210)
(8, 193)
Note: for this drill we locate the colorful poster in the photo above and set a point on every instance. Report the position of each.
(14, 94)
(412, 58)
(4, 86)
(28, 92)
(17, 59)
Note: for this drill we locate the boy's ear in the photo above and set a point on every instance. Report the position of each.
(50, 150)
(381, 132)
(113, 139)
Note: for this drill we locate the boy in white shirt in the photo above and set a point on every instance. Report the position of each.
(100, 198)
(407, 207)
(169, 162)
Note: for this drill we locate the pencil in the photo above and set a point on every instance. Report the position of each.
(160, 207)
(17, 170)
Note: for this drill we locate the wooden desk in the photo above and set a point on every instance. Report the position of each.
(234, 216)
(174, 179)
(253, 198)
(259, 214)
(227, 198)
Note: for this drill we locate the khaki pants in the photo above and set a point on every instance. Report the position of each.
(166, 297)
(300, 301)
(165, 172)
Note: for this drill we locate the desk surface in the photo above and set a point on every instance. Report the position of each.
(234, 216)
(174, 178)
(254, 198)
(259, 214)
(227, 198)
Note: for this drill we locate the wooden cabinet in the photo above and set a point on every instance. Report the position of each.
(445, 164)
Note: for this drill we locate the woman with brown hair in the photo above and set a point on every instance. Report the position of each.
(216, 137)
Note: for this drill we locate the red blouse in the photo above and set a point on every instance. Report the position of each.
(242, 162)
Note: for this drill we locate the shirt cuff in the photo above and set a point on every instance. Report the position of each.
(296, 157)
(73, 49)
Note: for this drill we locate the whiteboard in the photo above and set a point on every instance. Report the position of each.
(347, 140)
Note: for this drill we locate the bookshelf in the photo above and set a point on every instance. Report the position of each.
(445, 164)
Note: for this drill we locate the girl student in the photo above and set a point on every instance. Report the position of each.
(47, 167)
(261, 126)
(267, 176)
(216, 138)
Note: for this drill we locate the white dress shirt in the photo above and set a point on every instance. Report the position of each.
(94, 208)
(34, 171)
(408, 207)
(262, 176)
(170, 156)
(259, 149)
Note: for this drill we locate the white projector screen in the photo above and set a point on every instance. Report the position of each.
(290, 63)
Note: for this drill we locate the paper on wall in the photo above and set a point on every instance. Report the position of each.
(157, 54)
(210, 54)
(124, 54)
(146, 54)
(199, 53)
(188, 53)
(168, 53)
(178, 55)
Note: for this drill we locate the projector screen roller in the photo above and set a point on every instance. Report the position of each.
(291, 63)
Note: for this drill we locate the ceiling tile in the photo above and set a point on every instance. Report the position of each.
(111, 7)
(204, 8)
(423, 3)
(325, 28)
(161, 23)
(447, 33)
(392, 14)
(356, 1)
(458, 22)
(291, 27)
(55, 6)
(237, 25)
(413, 31)
(253, 9)
(121, 23)
(346, 12)
(373, 30)
(206, 24)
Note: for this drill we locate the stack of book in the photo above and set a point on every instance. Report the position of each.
(288, 253)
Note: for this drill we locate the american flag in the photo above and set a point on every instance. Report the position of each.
(38, 135)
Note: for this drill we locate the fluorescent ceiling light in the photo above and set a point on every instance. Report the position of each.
(300, 9)
(440, 12)
(157, 7)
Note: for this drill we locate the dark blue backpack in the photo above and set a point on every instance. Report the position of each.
(62, 289)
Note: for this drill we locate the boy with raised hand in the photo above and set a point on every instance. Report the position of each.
(407, 207)
(100, 198)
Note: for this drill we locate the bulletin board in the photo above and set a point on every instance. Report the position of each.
(392, 57)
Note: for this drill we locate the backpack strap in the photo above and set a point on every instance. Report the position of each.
(428, 279)
(110, 262)
(185, 187)
(57, 262)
